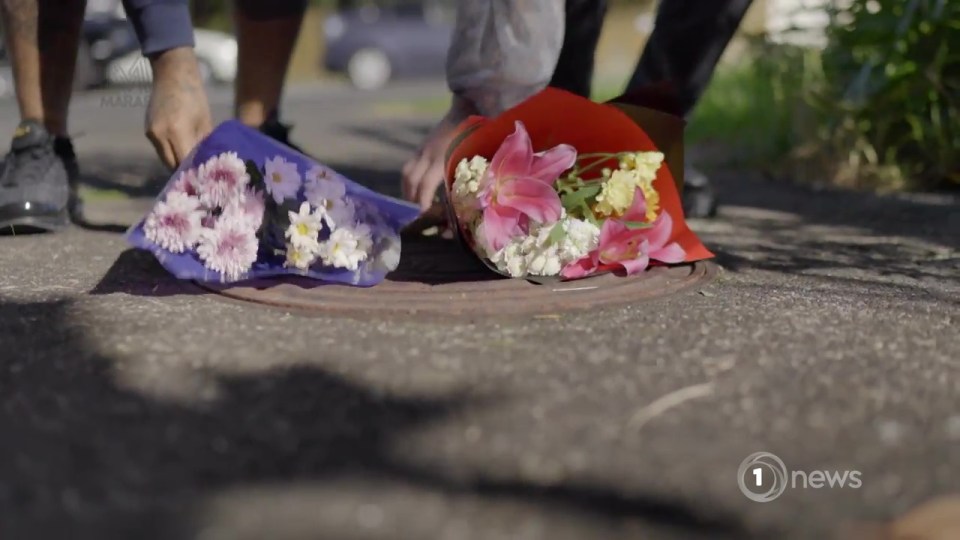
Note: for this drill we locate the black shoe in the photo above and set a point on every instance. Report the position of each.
(63, 147)
(279, 132)
(34, 183)
(699, 199)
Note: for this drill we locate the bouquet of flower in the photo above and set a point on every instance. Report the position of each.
(563, 187)
(244, 206)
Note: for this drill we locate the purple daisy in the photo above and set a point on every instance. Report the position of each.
(281, 179)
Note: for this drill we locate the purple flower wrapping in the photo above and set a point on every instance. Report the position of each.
(244, 206)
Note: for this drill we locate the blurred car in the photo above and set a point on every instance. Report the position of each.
(216, 53)
(378, 42)
(105, 37)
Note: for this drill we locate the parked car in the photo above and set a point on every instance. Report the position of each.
(378, 42)
(105, 37)
(216, 53)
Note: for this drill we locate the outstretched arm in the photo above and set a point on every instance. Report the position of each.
(503, 52)
(178, 116)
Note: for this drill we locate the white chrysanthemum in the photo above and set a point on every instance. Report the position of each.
(301, 257)
(387, 258)
(221, 179)
(304, 227)
(466, 186)
(324, 190)
(229, 248)
(248, 209)
(347, 247)
(175, 224)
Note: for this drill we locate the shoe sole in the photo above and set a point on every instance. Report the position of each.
(34, 224)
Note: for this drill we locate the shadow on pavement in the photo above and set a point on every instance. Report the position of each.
(795, 229)
(138, 273)
(84, 457)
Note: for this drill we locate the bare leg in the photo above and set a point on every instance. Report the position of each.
(59, 35)
(266, 35)
(42, 37)
(20, 21)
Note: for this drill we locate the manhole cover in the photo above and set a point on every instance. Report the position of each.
(438, 278)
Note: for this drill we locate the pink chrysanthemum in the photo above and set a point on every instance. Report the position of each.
(174, 224)
(281, 179)
(247, 210)
(228, 248)
(222, 179)
(186, 183)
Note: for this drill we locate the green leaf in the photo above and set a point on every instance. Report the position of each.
(637, 224)
(580, 195)
(256, 177)
(557, 234)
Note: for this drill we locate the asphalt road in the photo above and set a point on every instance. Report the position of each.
(132, 406)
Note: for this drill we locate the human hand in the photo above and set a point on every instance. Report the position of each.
(423, 173)
(178, 115)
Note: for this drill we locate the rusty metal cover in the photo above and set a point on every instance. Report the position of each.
(438, 279)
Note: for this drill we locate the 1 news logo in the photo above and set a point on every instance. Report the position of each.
(763, 477)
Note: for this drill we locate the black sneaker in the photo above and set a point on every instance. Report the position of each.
(699, 199)
(34, 183)
(279, 131)
(63, 147)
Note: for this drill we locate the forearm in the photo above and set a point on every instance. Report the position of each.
(160, 24)
(504, 51)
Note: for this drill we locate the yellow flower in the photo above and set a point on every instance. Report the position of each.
(616, 194)
(645, 163)
(653, 199)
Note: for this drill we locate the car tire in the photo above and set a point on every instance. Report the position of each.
(369, 69)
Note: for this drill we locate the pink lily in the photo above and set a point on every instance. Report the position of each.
(630, 249)
(518, 187)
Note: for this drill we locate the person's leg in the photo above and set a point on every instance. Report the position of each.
(37, 173)
(266, 35)
(42, 40)
(584, 22)
(688, 39)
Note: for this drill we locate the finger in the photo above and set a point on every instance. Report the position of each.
(205, 128)
(182, 144)
(163, 149)
(406, 178)
(415, 178)
(429, 184)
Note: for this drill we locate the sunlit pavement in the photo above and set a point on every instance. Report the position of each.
(132, 406)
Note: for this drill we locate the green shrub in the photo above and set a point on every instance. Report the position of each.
(891, 102)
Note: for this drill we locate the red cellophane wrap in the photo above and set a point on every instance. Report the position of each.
(628, 124)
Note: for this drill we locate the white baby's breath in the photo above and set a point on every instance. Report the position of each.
(537, 254)
(466, 187)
